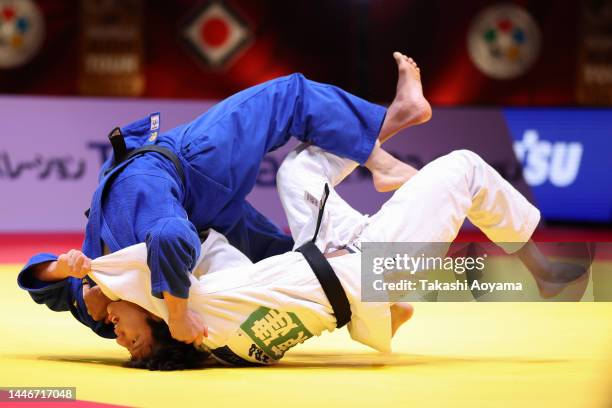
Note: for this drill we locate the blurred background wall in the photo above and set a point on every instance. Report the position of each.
(211, 49)
(526, 84)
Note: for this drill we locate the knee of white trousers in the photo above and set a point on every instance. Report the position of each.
(469, 163)
(458, 164)
(468, 157)
(308, 159)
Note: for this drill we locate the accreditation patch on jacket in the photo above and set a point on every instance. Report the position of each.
(275, 331)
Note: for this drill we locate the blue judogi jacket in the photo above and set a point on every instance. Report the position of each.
(144, 199)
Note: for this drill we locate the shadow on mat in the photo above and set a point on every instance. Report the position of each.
(328, 360)
(360, 360)
(113, 362)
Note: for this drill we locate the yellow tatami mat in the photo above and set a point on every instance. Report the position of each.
(449, 355)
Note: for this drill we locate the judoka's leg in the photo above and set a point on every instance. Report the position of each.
(388, 173)
(300, 182)
(401, 312)
(301, 178)
(432, 206)
(551, 277)
(409, 107)
(264, 117)
(303, 175)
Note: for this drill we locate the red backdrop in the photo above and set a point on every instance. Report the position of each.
(345, 42)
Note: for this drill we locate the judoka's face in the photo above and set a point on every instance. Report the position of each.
(131, 327)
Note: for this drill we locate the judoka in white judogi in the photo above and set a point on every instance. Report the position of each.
(259, 311)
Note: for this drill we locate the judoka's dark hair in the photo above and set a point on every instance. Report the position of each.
(168, 353)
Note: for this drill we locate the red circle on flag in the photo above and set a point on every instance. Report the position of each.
(215, 31)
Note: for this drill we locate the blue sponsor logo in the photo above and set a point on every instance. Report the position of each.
(566, 156)
(557, 163)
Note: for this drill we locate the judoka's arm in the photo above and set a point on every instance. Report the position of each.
(56, 294)
(152, 205)
(60, 293)
(185, 325)
(173, 245)
(172, 251)
(74, 263)
(47, 278)
(173, 248)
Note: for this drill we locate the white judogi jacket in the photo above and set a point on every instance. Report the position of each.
(259, 310)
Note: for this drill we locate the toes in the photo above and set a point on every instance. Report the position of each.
(400, 58)
(411, 62)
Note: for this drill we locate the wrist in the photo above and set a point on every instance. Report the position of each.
(177, 307)
(49, 271)
(53, 270)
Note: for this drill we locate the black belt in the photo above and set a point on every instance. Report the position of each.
(121, 155)
(324, 272)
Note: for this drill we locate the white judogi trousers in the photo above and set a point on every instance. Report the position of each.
(430, 207)
(261, 310)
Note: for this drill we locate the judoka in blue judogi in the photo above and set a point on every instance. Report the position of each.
(146, 199)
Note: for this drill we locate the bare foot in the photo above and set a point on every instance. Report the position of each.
(393, 177)
(563, 275)
(548, 290)
(388, 173)
(409, 108)
(552, 278)
(400, 314)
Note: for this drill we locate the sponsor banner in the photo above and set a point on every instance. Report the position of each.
(112, 48)
(483, 272)
(565, 154)
(52, 148)
(493, 53)
(594, 86)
